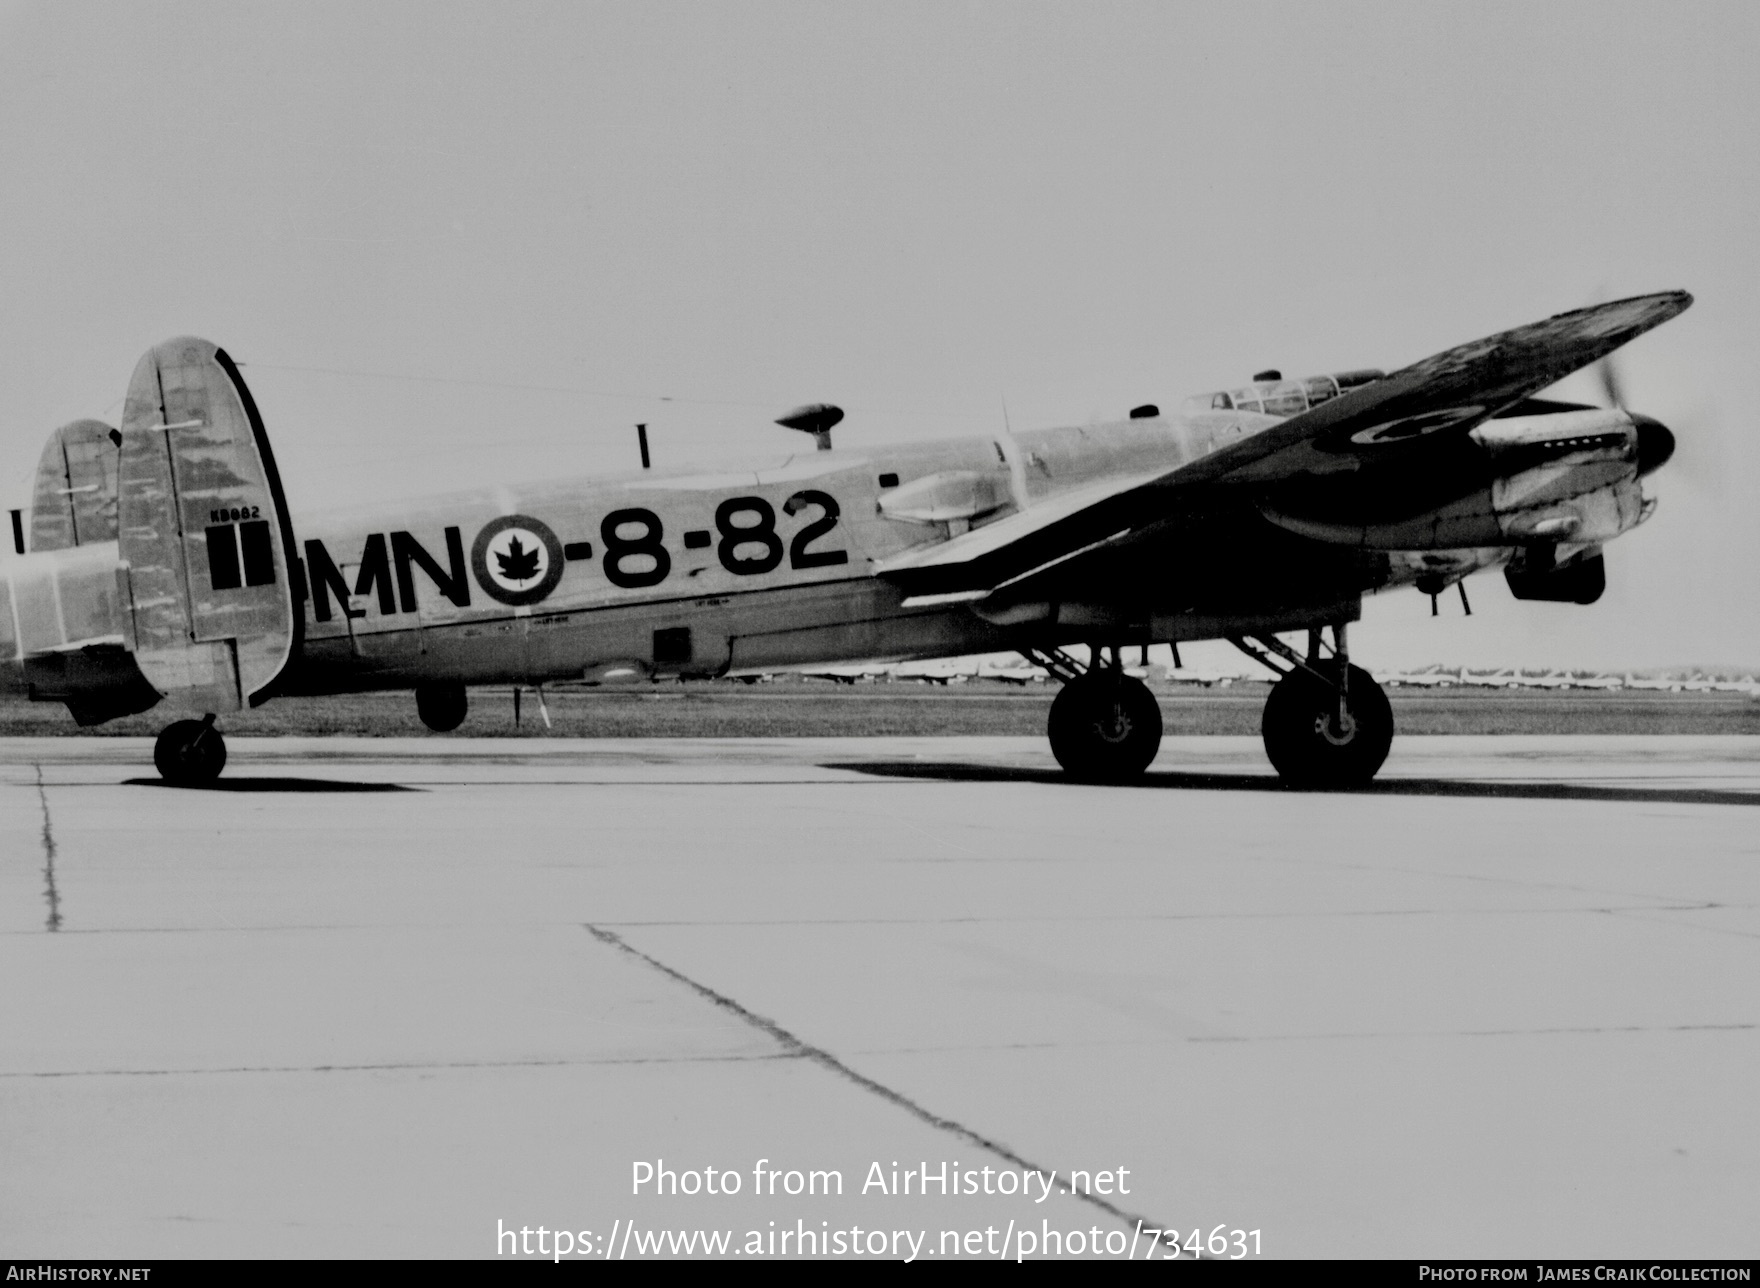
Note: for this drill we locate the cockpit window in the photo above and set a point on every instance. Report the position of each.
(1286, 398)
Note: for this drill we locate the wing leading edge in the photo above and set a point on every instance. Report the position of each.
(1417, 411)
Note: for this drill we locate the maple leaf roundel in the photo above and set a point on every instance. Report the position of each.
(517, 559)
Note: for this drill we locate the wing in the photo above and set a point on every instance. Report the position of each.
(1416, 416)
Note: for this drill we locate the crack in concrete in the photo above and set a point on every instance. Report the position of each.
(50, 893)
(1405, 1035)
(395, 1066)
(794, 1046)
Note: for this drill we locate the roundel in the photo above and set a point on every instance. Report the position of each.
(1407, 428)
(517, 559)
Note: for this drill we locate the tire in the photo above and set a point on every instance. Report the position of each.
(1303, 738)
(190, 753)
(442, 707)
(1105, 728)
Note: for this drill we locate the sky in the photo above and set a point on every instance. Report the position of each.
(463, 242)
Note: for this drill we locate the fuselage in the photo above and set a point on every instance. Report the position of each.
(773, 564)
(756, 565)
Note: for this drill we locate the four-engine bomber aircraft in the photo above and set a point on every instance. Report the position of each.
(167, 571)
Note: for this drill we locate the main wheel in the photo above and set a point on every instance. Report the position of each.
(1308, 742)
(1105, 727)
(190, 753)
(442, 707)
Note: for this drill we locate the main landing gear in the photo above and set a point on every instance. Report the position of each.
(190, 753)
(1327, 724)
(1105, 725)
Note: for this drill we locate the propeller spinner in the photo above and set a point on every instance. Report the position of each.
(1655, 440)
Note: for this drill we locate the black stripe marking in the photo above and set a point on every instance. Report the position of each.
(223, 557)
(259, 553)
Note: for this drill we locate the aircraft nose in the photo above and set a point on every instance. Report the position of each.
(1655, 443)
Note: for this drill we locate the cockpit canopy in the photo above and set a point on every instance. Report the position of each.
(1283, 397)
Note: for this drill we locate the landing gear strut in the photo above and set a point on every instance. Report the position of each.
(190, 753)
(1105, 726)
(1327, 724)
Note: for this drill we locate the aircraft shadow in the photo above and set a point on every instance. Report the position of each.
(272, 785)
(1181, 781)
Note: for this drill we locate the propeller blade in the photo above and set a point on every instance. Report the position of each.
(1610, 383)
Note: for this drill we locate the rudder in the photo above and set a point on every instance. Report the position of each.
(74, 500)
(203, 530)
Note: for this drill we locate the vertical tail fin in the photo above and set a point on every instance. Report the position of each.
(74, 501)
(204, 531)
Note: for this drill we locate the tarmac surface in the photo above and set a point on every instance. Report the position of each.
(393, 997)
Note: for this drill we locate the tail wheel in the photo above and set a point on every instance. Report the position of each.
(1105, 727)
(1313, 744)
(442, 707)
(190, 753)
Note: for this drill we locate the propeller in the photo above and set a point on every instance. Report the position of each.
(1700, 461)
(1655, 440)
(1607, 373)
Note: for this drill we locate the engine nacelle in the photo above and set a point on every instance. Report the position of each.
(1570, 477)
(1517, 511)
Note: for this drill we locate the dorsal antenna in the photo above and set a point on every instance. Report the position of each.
(815, 419)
